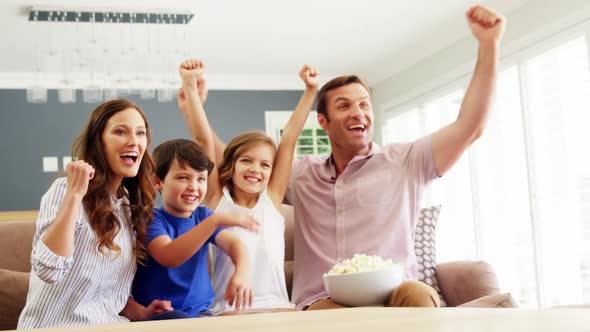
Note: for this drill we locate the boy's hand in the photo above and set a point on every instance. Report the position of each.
(191, 70)
(79, 174)
(239, 291)
(157, 307)
(309, 76)
(241, 219)
(486, 25)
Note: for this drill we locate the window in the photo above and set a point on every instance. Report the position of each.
(312, 141)
(519, 198)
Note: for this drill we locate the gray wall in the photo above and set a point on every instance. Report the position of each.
(30, 131)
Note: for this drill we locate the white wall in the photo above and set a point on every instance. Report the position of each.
(537, 20)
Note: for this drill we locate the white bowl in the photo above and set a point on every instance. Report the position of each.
(362, 289)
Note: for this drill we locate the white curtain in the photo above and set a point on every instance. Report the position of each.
(520, 197)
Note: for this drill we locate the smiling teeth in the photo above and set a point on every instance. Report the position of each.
(129, 154)
(358, 126)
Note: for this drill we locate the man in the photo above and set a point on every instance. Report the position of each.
(365, 200)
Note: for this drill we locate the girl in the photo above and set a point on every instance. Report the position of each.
(91, 227)
(252, 177)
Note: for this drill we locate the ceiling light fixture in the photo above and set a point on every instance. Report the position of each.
(108, 52)
(109, 15)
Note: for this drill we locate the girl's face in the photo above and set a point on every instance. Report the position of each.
(124, 141)
(253, 168)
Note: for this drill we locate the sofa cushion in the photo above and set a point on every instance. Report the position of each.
(465, 281)
(13, 295)
(425, 248)
(288, 214)
(492, 301)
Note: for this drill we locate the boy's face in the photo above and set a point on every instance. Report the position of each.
(183, 189)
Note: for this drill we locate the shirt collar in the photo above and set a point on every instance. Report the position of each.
(330, 166)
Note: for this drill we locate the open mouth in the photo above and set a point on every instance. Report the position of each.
(252, 179)
(129, 158)
(357, 128)
(190, 198)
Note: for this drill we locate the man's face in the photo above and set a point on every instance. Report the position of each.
(350, 119)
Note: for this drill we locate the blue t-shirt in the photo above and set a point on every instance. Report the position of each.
(187, 286)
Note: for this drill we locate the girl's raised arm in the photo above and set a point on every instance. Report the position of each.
(284, 159)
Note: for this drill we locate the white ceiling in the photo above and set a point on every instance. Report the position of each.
(256, 44)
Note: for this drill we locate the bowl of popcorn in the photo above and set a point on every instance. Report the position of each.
(362, 280)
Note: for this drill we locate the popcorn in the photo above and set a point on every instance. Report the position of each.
(360, 263)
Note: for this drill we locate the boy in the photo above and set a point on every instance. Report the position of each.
(176, 268)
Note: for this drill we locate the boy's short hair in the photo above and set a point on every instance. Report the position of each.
(184, 151)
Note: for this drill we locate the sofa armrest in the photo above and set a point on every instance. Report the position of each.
(16, 242)
(465, 281)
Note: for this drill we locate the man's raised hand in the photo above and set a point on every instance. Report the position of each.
(486, 24)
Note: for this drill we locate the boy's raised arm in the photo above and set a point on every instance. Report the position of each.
(189, 102)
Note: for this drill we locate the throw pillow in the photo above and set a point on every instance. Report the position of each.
(425, 248)
(13, 295)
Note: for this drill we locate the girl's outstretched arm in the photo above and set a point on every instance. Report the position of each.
(284, 159)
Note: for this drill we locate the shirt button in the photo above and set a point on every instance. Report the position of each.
(340, 212)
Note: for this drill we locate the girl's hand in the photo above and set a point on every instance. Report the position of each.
(239, 292)
(309, 76)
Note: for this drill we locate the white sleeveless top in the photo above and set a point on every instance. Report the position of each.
(267, 254)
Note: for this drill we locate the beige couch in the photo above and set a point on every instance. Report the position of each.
(461, 283)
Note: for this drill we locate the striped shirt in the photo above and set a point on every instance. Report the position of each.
(88, 288)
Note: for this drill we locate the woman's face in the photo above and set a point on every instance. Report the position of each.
(124, 142)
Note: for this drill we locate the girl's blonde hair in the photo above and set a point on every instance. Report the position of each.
(235, 149)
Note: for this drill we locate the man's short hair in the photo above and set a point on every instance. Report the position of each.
(335, 83)
(184, 151)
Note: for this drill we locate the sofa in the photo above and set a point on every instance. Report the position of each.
(467, 283)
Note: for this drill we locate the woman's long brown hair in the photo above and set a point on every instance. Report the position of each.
(139, 189)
